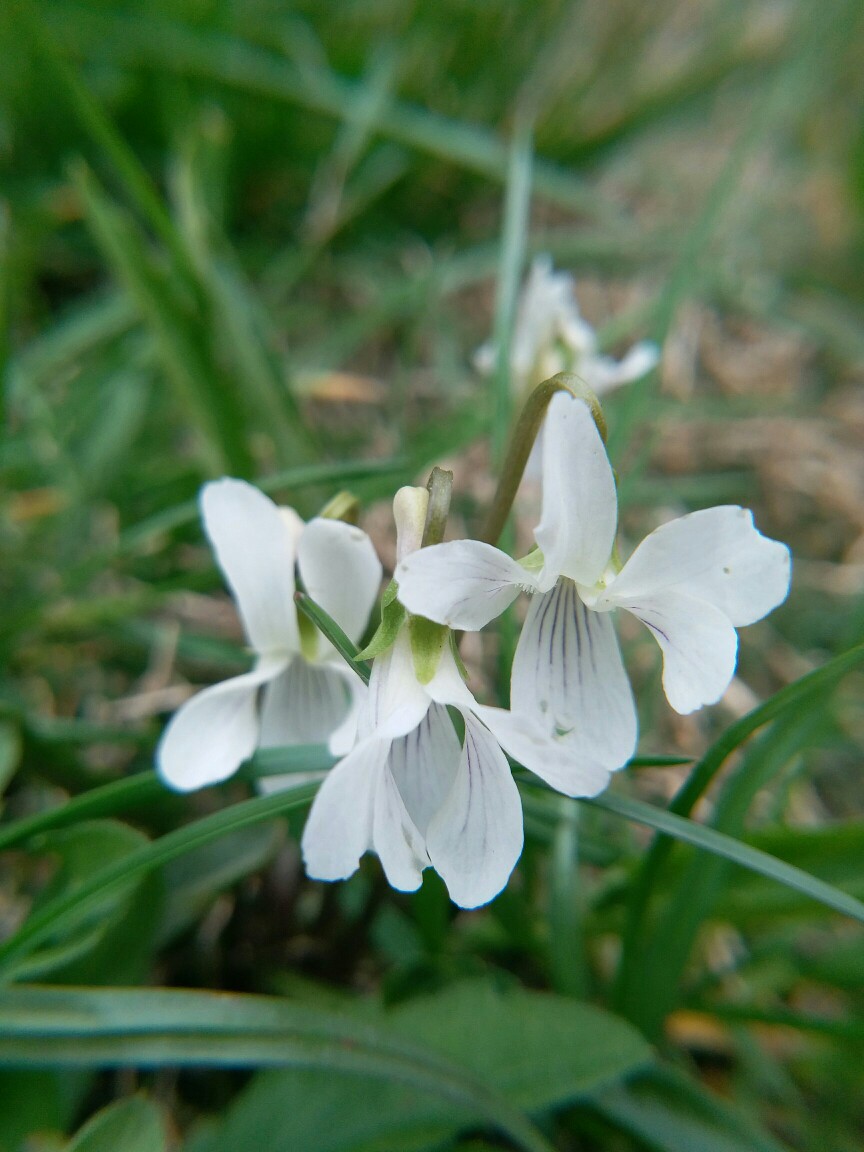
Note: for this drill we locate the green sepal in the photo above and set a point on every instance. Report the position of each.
(427, 645)
(393, 615)
(460, 663)
(534, 561)
(343, 506)
(308, 638)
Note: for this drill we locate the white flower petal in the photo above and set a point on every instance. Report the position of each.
(603, 374)
(476, 838)
(397, 702)
(715, 555)
(304, 705)
(339, 828)
(544, 307)
(484, 358)
(568, 676)
(447, 685)
(564, 767)
(700, 647)
(580, 509)
(341, 572)
(398, 843)
(254, 549)
(424, 765)
(208, 739)
(344, 737)
(463, 584)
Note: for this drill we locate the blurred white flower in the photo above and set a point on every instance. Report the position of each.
(692, 581)
(551, 336)
(309, 695)
(410, 790)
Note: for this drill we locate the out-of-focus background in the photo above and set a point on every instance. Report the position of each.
(266, 239)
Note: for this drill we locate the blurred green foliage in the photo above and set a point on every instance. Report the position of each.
(265, 238)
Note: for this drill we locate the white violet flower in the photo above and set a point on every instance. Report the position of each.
(552, 336)
(410, 790)
(309, 694)
(692, 581)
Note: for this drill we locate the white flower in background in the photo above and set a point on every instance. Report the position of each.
(307, 693)
(410, 790)
(551, 336)
(692, 581)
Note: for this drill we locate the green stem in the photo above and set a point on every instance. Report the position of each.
(522, 441)
(517, 212)
(566, 940)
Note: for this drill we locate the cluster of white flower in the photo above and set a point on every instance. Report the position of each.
(423, 779)
(552, 336)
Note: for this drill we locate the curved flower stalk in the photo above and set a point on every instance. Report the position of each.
(552, 336)
(692, 582)
(413, 792)
(309, 695)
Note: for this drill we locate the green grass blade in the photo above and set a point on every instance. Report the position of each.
(118, 796)
(177, 49)
(787, 702)
(655, 977)
(216, 410)
(329, 628)
(130, 1125)
(144, 787)
(309, 476)
(105, 136)
(688, 831)
(517, 207)
(64, 911)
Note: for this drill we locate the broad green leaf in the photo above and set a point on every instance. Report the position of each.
(671, 1113)
(539, 1050)
(110, 944)
(155, 1027)
(71, 908)
(132, 1125)
(322, 1112)
(37, 1100)
(193, 882)
(427, 1067)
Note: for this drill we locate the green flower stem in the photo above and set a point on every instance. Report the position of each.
(522, 441)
